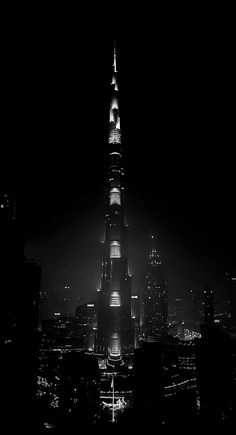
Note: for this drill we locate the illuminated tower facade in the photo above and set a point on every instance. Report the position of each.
(155, 297)
(114, 337)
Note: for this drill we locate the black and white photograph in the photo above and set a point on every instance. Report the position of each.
(117, 217)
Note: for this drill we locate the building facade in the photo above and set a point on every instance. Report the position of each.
(231, 289)
(208, 307)
(114, 337)
(155, 297)
(86, 325)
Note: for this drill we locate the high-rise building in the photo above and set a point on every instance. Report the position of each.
(114, 336)
(155, 297)
(59, 332)
(178, 310)
(208, 307)
(194, 308)
(135, 307)
(135, 315)
(86, 325)
(231, 287)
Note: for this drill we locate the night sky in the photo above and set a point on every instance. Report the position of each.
(177, 103)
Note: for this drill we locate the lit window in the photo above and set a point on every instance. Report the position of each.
(115, 136)
(115, 196)
(115, 250)
(114, 299)
(114, 348)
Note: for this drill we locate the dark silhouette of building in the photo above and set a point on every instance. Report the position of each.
(215, 371)
(176, 316)
(86, 325)
(194, 309)
(28, 327)
(178, 310)
(20, 288)
(155, 297)
(12, 259)
(114, 336)
(59, 332)
(79, 390)
(231, 288)
(208, 307)
(148, 384)
(135, 315)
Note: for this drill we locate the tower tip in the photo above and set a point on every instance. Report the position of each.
(114, 55)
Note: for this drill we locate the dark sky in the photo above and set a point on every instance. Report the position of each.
(177, 96)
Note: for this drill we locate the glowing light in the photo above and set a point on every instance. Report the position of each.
(115, 196)
(115, 250)
(114, 82)
(114, 64)
(114, 152)
(115, 299)
(114, 103)
(90, 305)
(114, 348)
(118, 123)
(115, 136)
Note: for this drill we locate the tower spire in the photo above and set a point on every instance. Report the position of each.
(114, 131)
(114, 54)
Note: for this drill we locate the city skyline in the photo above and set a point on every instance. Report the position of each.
(117, 217)
(181, 189)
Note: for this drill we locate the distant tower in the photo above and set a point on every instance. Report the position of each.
(194, 310)
(86, 325)
(231, 288)
(114, 336)
(208, 307)
(155, 297)
(135, 315)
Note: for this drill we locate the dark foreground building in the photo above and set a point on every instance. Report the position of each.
(216, 377)
(79, 390)
(20, 287)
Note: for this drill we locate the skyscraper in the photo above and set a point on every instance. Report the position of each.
(155, 297)
(208, 307)
(231, 287)
(135, 315)
(194, 308)
(86, 324)
(114, 296)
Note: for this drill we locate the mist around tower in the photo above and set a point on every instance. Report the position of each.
(117, 217)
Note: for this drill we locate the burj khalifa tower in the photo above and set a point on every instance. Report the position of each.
(114, 334)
